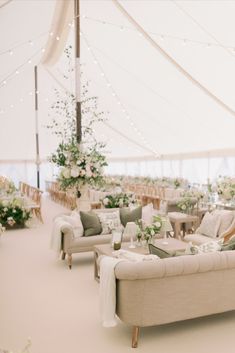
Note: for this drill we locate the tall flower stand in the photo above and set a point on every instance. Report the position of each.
(83, 202)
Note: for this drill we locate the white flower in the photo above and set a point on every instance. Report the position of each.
(105, 201)
(66, 173)
(5, 209)
(82, 172)
(88, 172)
(183, 207)
(152, 232)
(120, 203)
(14, 211)
(157, 224)
(75, 171)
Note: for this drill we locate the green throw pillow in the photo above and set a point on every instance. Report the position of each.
(126, 215)
(91, 223)
(159, 252)
(230, 245)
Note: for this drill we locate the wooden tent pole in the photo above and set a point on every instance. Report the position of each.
(36, 124)
(77, 72)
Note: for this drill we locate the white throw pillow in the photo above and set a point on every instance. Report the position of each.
(210, 246)
(75, 221)
(109, 221)
(147, 214)
(210, 225)
(226, 220)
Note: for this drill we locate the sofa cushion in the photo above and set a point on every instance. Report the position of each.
(130, 216)
(75, 222)
(210, 246)
(226, 220)
(147, 214)
(109, 221)
(91, 223)
(197, 239)
(210, 225)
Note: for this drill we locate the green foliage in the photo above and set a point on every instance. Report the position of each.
(118, 200)
(13, 213)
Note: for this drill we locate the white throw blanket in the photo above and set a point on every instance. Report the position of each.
(108, 282)
(56, 235)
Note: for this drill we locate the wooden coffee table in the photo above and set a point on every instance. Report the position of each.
(168, 244)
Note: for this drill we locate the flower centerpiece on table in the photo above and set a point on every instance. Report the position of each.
(118, 200)
(6, 185)
(13, 213)
(225, 187)
(148, 232)
(186, 204)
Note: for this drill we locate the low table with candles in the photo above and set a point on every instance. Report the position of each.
(167, 244)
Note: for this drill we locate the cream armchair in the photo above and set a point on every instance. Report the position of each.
(219, 224)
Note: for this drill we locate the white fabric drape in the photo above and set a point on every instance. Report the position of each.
(63, 15)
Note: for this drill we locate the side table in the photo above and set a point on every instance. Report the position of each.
(179, 221)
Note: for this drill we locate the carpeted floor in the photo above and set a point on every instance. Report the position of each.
(58, 308)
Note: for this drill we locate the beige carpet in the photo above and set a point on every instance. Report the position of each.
(58, 308)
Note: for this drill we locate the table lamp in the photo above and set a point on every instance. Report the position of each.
(131, 229)
(166, 227)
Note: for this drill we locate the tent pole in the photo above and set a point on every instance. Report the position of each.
(36, 124)
(77, 72)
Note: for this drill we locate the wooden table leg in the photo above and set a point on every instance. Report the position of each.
(135, 336)
(96, 270)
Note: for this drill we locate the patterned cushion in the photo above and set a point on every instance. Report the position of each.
(109, 221)
(210, 246)
(210, 225)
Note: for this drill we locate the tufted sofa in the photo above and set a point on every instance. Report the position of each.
(159, 292)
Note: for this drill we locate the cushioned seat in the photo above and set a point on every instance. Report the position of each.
(197, 239)
(219, 224)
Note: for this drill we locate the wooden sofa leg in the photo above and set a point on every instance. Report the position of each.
(63, 255)
(70, 261)
(135, 335)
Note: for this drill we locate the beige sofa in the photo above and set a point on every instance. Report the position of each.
(72, 245)
(173, 289)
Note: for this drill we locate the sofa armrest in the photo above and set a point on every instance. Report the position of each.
(68, 237)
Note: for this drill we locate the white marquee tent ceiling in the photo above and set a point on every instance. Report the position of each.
(163, 111)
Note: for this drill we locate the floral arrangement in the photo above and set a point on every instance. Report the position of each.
(118, 200)
(12, 212)
(80, 164)
(196, 194)
(6, 185)
(78, 168)
(2, 229)
(225, 187)
(147, 232)
(186, 204)
(163, 182)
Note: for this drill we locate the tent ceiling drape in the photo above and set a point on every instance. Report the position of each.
(153, 109)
